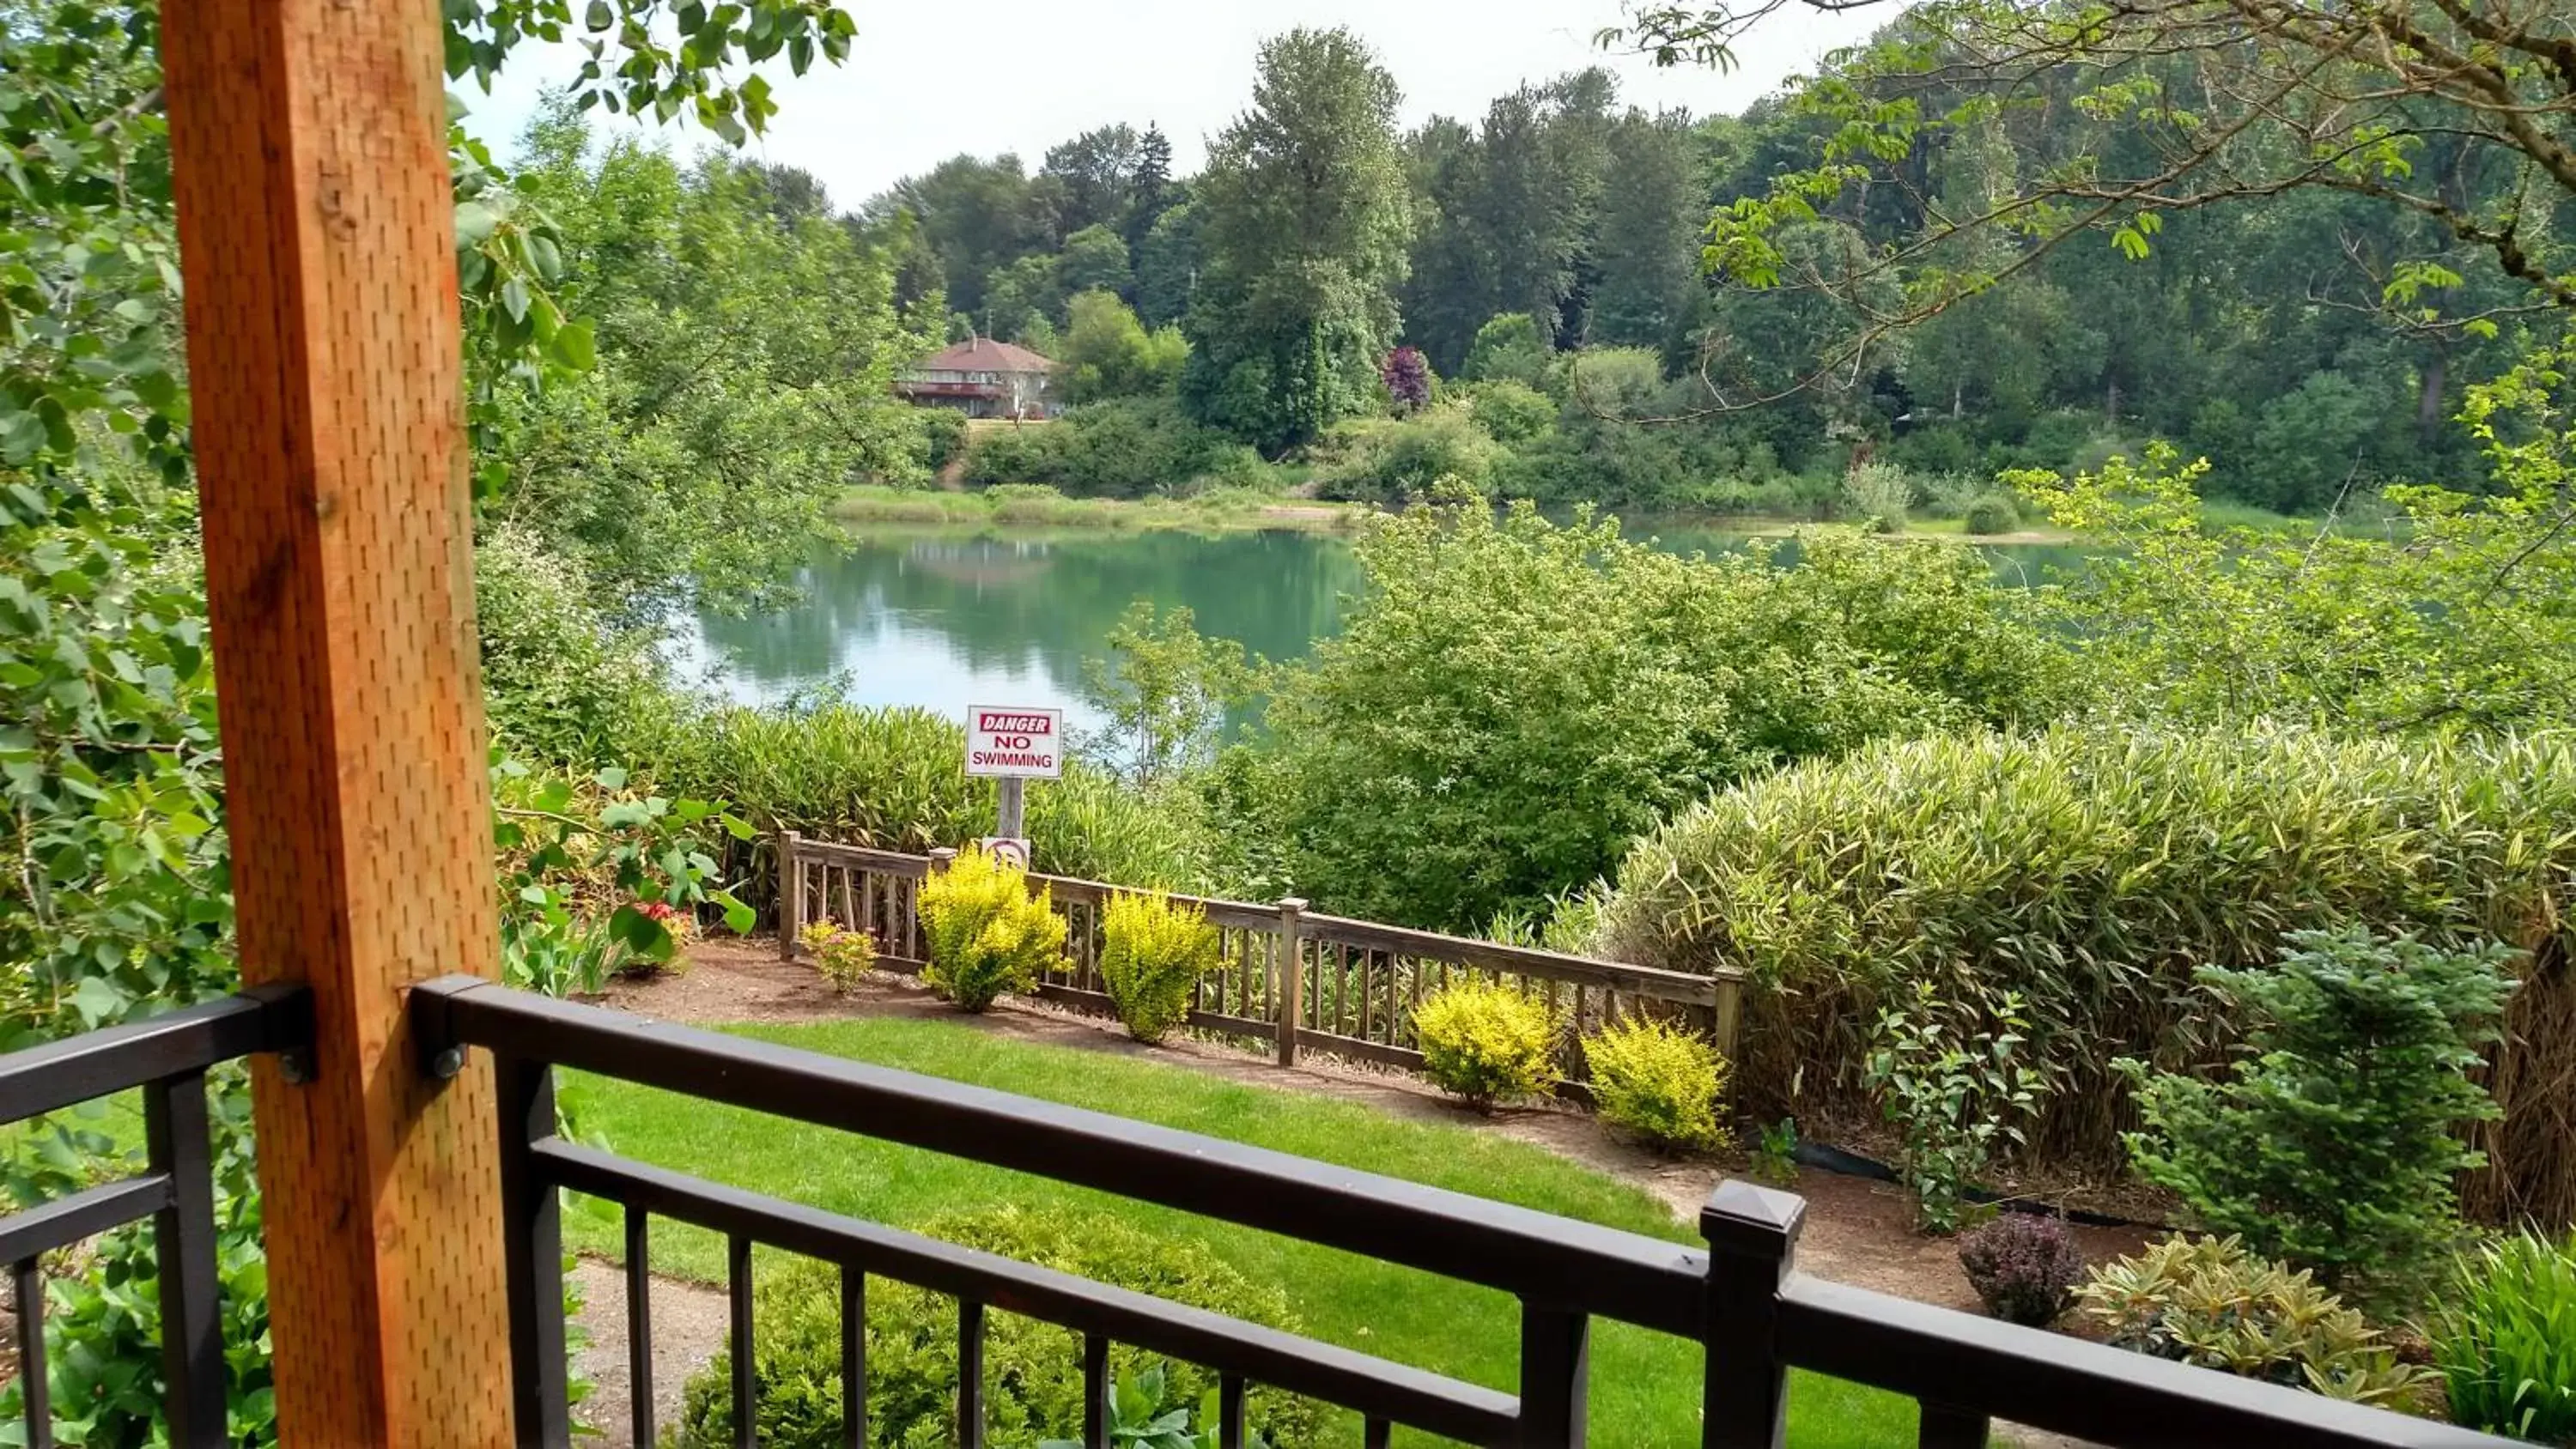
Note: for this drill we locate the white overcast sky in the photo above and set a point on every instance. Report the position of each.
(927, 81)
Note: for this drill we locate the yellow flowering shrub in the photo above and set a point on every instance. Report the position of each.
(988, 935)
(1485, 1043)
(842, 955)
(1153, 952)
(1658, 1081)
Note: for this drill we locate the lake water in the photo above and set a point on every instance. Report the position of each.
(944, 620)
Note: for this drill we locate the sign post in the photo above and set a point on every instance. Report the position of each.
(1014, 746)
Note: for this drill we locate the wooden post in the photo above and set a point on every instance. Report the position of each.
(309, 152)
(1290, 990)
(1752, 1235)
(1011, 815)
(1726, 1018)
(791, 895)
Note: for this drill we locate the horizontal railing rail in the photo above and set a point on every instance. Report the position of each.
(167, 1058)
(1741, 1298)
(1302, 981)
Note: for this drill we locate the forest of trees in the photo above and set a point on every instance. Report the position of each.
(2318, 340)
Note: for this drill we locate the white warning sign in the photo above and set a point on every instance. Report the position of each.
(1007, 740)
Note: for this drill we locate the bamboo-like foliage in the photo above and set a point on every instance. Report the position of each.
(2092, 872)
(895, 779)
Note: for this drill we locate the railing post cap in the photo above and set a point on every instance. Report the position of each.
(1292, 903)
(1747, 1219)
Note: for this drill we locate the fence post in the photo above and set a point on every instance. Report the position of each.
(791, 894)
(1288, 991)
(1752, 1237)
(1556, 1371)
(1727, 1016)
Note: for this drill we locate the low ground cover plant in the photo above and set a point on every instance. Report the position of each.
(1153, 953)
(2215, 1303)
(1658, 1081)
(2505, 1339)
(843, 956)
(2024, 1267)
(988, 935)
(1485, 1043)
(1033, 1370)
(2333, 1145)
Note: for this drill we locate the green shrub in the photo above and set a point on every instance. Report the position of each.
(1486, 1043)
(2092, 872)
(1659, 1081)
(1511, 413)
(1033, 1370)
(1992, 514)
(2331, 1146)
(1390, 460)
(1152, 954)
(988, 935)
(844, 957)
(560, 683)
(2208, 1301)
(2505, 1342)
(1514, 701)
(1880, 494)
(1952, 1081)
(943, 436)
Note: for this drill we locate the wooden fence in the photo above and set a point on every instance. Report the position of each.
(1303, 981)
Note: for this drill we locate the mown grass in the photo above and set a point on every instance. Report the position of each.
(1646, 1386)
(1022, 506)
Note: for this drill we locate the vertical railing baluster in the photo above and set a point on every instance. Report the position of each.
(639, 1323)
(1377, 1434)
(970, 1374)
(1288, 1003)
(1752, 1237)
(1947, 1427)
(532, 1246)
(1229, 1412)
(183, 1238)
(1095, 1392)
(854, 1358)
(37, 1389)
(1556, 1372)
(746, 1385)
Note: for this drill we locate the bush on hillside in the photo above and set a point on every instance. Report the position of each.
(1392, 460)
(2093, 872)
(560, 683)
(1991, 515)
(2024, 1267)
(1033, 1370)
(2505, 1341)
(1659, 1081)
(1511, 413)
(2210, 1302)
(1485, 1043)
(1152, 954)
(988, 935)
(2331, 1146)
(1513, 701)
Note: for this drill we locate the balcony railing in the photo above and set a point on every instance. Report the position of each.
(1742, 1298)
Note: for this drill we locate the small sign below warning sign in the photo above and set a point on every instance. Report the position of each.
(1009, 741)
(1012, 850)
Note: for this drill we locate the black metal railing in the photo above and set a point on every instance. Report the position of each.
(1742, 1298)
(167, 1057)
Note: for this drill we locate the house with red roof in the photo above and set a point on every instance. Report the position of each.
(983, 378)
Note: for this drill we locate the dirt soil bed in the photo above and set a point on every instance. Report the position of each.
(1857, 1230)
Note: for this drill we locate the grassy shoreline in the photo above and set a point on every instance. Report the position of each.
(1232, 509)
(1217, 510)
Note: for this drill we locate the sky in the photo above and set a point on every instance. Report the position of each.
(927, 81)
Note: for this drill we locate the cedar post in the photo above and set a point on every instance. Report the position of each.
(791, 895)
(309, 152)
(1289, 994)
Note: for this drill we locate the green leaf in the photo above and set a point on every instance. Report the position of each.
(598, 17)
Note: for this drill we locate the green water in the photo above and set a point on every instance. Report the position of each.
(944, 620)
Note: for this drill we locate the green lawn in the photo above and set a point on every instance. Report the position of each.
(1646, 1386)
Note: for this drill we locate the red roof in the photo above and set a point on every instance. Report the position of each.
(983, 354)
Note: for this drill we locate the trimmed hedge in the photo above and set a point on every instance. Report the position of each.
(1032, 1370)
(2092, 871)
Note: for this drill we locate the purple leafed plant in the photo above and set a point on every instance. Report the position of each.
(1408, 379)
(2024, 1268)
